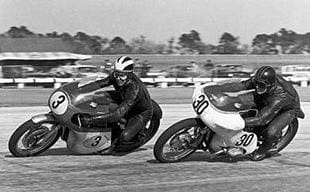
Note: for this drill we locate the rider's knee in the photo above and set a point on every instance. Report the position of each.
(271, 132)
(275, 127)
(126, 136)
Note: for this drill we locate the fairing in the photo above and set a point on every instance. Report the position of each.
(73, 99)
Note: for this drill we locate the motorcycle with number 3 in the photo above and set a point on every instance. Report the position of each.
(218, 127)
(66, 104)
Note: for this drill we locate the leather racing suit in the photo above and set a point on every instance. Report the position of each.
(276, 108)
(135, 105)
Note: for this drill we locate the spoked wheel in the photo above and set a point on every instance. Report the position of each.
(31, 139)
(287, 135)
(179, 141)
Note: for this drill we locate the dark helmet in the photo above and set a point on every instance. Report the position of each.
(265, 78)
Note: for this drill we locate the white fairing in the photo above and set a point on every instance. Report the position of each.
(228, 126)
(88, 142)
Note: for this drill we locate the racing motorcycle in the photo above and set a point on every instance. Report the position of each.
(66, 105)
(218, 127)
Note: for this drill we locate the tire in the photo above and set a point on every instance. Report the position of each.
(142, 138)
(151, 130)
(154, 123)
(288, 137)
(147, 133)
(185, 124)
(31, 128)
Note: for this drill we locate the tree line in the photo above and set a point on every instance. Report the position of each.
(283, 41)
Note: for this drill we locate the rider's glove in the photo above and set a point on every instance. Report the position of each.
(87, 121)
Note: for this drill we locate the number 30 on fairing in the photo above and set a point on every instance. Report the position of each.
(200, 104)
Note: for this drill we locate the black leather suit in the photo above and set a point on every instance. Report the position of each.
(281, 98)
(276, 108)
(135, 105)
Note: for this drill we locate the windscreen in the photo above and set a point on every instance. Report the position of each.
(88, 70)
(88, 80)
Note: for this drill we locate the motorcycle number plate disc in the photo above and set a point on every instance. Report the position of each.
(59, 103)
(96, 141)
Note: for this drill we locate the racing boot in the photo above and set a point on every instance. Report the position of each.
(259, 154)
(235, 152)
(265, 150)
(219, 154)
(110, 150)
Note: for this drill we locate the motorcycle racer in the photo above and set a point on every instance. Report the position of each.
(278, 104)
(135, 104)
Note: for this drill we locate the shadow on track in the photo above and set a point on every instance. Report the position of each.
(206, 157)
(51, 152)
(65, 152)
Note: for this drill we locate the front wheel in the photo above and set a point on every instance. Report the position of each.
(179, 141)
(31, 139)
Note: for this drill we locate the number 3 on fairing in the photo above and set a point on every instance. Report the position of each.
(59, 102)
(97, 140)
(200, 104)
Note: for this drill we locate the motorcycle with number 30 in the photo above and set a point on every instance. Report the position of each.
(66, 104)
(218, 127)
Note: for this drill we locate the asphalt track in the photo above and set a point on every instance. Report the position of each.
(58, 170)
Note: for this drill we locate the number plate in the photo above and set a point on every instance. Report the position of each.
(58, 103)
(95, 141)
(200, 103)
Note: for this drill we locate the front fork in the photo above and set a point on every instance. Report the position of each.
(47, 117)
(205, 136)
(204, 139)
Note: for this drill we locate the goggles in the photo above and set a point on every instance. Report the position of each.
(261, 87)
(120, 75)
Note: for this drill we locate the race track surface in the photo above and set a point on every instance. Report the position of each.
(58, 170)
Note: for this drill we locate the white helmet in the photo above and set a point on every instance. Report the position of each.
(124, 64)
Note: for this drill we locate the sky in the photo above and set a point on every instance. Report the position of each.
(158, 20)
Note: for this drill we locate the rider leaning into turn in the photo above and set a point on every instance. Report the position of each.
(135, 104)
(277, 102)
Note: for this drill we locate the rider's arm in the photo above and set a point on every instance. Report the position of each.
(248, 84)
(232, 87)
(106, 81)
(123, 108)
(268, 113)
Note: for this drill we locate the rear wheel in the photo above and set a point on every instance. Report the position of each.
(31, 139)
(142, 138)
(176, 143)
(150, 130)
(287, 135)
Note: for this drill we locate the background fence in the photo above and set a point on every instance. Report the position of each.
(158, 82)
